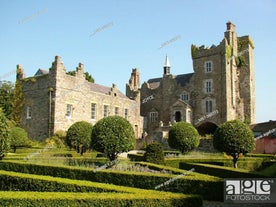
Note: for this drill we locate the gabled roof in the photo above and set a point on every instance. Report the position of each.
(182, 79)
(41, 72)
(105, 90)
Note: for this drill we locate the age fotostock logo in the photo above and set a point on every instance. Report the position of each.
(250, 190)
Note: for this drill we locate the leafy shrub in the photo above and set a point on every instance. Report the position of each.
(234, 138)
(183, 136)
(154, 153)
(19, 138)
(79, 136)
(113, 135)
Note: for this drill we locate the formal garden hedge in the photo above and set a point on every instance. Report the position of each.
(34, 199)
(209, 187)
(12, 182)
(249, 163)
(219, 171)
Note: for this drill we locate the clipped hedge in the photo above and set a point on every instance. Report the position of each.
(97, 199)
(248, 163)
(219, 171)
(209, 187)
(136, 157)
(14, 181)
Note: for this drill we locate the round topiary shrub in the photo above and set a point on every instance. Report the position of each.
(154, 153)
(183, 136)
(113, 135)
(234, 138)
(79, 136)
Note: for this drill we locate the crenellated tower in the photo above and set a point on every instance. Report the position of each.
(132, 88)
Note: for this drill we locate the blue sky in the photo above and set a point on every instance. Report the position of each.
(110, 37)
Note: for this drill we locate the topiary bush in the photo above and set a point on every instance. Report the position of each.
(234, 138)
(183, 136)
(113, 135)
(79, 136)
(154, 153)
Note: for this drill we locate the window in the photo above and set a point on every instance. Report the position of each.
(153, 116)
(29, 112)
(93, 111)
(208, 86)
(69, 110)
(126, 113)
(208, 66)
(105, 110)
(184, 96)
(209, 106)
(116, 111)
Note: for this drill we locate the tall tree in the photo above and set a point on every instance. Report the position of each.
(6, 97)
(18, 103)
(4, 135)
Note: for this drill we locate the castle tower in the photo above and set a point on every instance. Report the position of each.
(132, 88)
(167, 66)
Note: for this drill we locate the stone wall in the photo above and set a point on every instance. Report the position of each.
(49, 96)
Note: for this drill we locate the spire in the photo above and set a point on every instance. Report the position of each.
(167, 66)
(167, 62)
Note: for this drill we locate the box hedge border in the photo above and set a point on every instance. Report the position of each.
(209, 187)
(96, 199)
(219, 171)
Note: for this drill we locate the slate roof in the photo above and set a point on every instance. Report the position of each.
(41, 72)
(263, 127)
(182, 79)
(105, 90)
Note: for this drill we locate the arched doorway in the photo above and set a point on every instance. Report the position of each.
(206, 128)
(177, 116)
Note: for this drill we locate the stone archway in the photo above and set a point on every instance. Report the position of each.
(206, 128)
(177, 116)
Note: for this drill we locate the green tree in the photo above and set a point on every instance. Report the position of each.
(113, 135)
(79, 136)
(18, 138)
(6, 97)
(17, 103)
(234, 138)
(4, 135)
(154, 153)
(183, 136)
(88, 77)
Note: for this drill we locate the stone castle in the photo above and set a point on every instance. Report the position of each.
(54, 100)
(221, 88)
